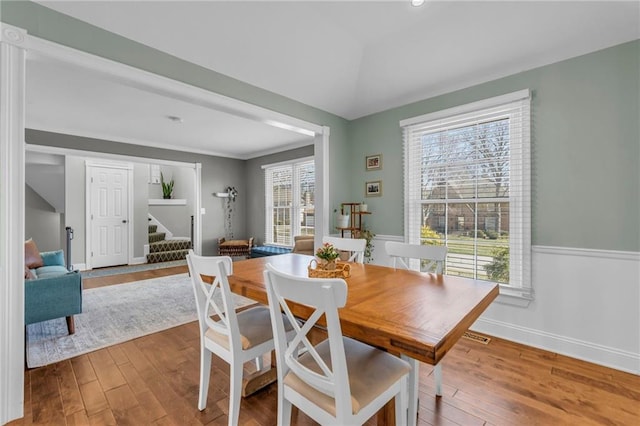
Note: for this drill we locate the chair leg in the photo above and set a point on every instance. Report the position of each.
(205, 373)
(402, 411)
(71, 324)
(284, 410)
(412, 387)
(235, 392)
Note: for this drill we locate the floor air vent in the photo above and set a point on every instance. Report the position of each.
(476, 337)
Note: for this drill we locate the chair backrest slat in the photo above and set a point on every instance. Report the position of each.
(433, 255)
(325, 296)
(355, 246)
(215, 298)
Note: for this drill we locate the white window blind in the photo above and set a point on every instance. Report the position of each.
(467, 186)
(289, 198)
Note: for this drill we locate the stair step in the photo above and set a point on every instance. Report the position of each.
(169, 245)
(166, 256)
(156, 236)
(153, 228)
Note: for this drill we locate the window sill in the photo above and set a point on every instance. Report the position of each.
(519, 297)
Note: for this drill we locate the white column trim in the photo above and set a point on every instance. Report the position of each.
(197, 214)
(321, 155)
(12, 186)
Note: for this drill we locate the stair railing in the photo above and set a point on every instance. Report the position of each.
(68, 250)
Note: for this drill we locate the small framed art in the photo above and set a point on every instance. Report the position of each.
(373, 188)
(373, 162)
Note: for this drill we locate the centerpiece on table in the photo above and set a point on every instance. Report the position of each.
(327, 255)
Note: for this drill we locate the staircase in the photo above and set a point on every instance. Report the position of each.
(161, 250)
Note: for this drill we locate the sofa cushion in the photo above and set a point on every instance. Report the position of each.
(50, 258)
(50, 271)
(32, 258)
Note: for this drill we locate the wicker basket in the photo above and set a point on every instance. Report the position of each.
(343, 270)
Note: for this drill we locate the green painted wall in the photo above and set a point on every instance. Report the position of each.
(585, 150)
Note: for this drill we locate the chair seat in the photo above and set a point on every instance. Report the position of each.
(371, 371)
(255, 328)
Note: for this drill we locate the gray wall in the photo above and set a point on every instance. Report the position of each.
(42, 222)
(75, 199)
(585, 150)
(140, 208)
(255, 188)
(217, 174)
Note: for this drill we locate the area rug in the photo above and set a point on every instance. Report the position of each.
(115, 314)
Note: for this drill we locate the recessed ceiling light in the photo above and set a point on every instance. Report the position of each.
(417, 3)
(175, 118)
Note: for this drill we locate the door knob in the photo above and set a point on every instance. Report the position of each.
(124, 221)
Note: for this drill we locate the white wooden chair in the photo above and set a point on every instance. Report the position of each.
(235, 337)
(434, 255)
(355, 246)
(340, 381)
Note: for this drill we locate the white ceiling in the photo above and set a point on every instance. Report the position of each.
(348, 58)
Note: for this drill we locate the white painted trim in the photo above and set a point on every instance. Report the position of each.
(138, 260)
(322, 195)
(287, 147)
(287, 163)
(108, 164)
(167, 202)
(80, 266)
(602, 254)
(197, 211)
(103, 157)
(586, 351)
(467, 108)
(12, 209)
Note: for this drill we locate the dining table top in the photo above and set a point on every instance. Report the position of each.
(421, 315)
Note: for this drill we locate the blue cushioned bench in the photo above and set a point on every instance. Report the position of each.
(263, 251)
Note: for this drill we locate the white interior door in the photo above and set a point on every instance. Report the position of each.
(109, 220)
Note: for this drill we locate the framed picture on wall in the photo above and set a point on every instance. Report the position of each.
(373, 188)
(373, 162)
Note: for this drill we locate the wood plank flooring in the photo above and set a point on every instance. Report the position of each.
(153, 380)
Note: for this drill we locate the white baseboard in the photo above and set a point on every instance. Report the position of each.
(80, 266)
(138, 260)
(574, 348)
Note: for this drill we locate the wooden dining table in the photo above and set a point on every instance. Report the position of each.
(417, 315)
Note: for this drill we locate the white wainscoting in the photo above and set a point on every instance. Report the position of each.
(586, 305)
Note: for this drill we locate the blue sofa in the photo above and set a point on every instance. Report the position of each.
(51, 291)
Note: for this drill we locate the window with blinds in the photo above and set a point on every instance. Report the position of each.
(289, 197)
(467, 186)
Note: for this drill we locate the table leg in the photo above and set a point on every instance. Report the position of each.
(412, 394)
(437, 375)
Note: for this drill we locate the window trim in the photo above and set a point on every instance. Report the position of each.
(522, 176)
(268, 202)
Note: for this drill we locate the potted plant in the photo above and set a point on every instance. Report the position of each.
(167, 188)
(342, 220)
(364, 207)
(368, 235)
(327, 255)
